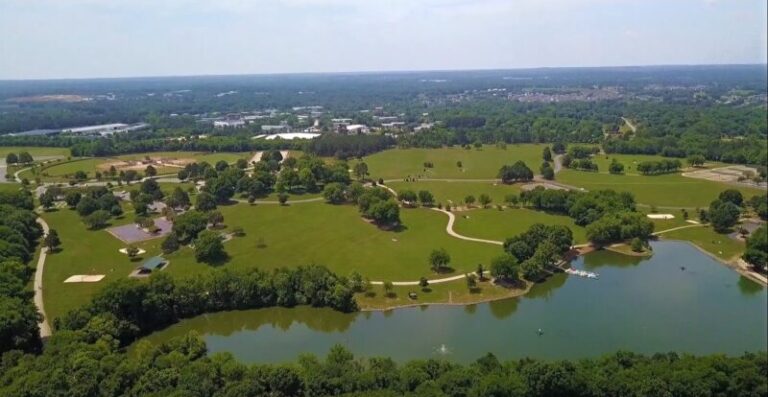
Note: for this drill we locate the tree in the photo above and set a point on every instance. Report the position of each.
(517, 172)
(189, 224)
(221, 165)
(182, 175)
(241, 164)
(52, 240)
(756, 253)
(723, 215)
(484, 200)
(361, 170)
(282, 198)
(208, 247)
(72, 198)
(469, 200)
(334, 193)
(471, 281)
(459, 164)
(407, 197)
(547, 172)
(637, 244)
(505, 267)
(511, 199)
(558, 147)
(696, 160)
(426, 198)
(11, 158)
(547, 154)
(171, 243)
(25, 158)
(423, 282)
(150, 171)
(205, 202)
(178, 199)
(97, 219)
(80, 175)
(439, 259)
(131, 251)
(46, 200)
(86, 206)
(732, 196)
(215, 218)
(615, 167)
(388, 287)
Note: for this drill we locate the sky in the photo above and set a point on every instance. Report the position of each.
(42, 39)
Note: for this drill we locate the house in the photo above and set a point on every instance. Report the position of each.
(357, 129)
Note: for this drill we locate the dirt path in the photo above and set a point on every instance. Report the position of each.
(45, 328)
(630, 125)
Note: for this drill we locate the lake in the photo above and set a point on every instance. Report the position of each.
(677, 300)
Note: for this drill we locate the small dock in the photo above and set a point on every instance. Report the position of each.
(582, 273)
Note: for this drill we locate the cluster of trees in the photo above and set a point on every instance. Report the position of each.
(610, 215)
(378, 205)
(724, 212)
(757, 249)
(182, 366)
(191, 227)
(96, 205)
(659, 167)
(615, 167)
(411, 198)
(517, 172)
(583, 164)
(348, 146)
(128, 308)
(18, 315)
(22, 158)
(759, 204)
(547, 172)
(536, 250)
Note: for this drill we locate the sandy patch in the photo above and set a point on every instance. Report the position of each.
(85, 278)
(140, 165)
(660, 216)
(124, 251)
(729, 174)
(545, 185)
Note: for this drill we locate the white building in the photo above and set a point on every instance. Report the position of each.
(229, 124)
(357, 129)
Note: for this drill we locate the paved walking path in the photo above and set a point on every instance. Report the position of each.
(45, 328)
(451, 232)
(675, 228)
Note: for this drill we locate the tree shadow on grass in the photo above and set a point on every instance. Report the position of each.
(444, 270)
(220, 260)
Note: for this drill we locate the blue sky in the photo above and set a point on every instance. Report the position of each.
(115, 38)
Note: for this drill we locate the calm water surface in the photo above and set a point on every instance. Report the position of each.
(643, 305)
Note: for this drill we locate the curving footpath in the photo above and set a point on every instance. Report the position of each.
(451, 232)
(675, 228)
(45, 328)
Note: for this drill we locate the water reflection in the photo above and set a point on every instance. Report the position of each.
(502, 309)
(749, 287)
(546, 289)
(604, 258)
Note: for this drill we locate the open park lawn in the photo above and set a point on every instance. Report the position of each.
(454, 292)
(35, 151)
(673, 190)
(493, 224)
(300, 234)
(476, 163)
(337, 237)
(84, 251)
(455, 192)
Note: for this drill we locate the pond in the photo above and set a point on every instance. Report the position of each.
(677, 300)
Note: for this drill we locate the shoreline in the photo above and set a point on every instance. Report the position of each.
(731, 264)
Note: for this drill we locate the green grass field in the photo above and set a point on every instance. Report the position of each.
(720, 245)
(673, 190)
(476, 164)
(300, 234)
(34, 151)
(498, 225)
(456, 191)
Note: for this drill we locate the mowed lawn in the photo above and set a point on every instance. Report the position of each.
(455, 191)
(337, 237)
(83, 251)
(720, 245)
(476, 163)
(498, 225)
(34, 151)
(672, 190)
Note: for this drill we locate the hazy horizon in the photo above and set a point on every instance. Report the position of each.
(80, 39)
